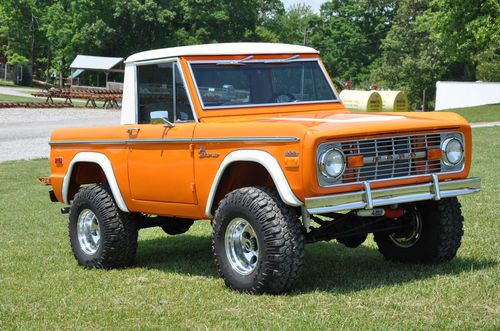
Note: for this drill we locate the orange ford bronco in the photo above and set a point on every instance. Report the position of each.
(254, 137)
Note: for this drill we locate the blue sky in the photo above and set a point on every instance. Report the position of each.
(315, 4)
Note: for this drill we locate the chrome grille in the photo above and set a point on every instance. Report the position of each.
(391, 157)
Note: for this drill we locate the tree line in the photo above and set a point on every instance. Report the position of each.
(397, 44)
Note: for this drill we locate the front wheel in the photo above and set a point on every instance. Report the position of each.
(433, 236)
(257, 241)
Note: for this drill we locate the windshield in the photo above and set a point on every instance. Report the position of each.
(249, 84)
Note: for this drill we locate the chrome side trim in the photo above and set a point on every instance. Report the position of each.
(88, 142)
(249, 139)
(176, 140)
(434, 190)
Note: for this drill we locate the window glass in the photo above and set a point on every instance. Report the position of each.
(261, 83)
(157, 97)
(155, 92)
(183, 110)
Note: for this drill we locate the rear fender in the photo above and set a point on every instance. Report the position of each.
(105, 164)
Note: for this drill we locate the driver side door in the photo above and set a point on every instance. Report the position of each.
(160, 162)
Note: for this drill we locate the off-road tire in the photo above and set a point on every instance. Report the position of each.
(118, 243)
(280, 240)
(441, 234)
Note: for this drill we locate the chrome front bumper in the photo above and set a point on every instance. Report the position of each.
(368, 198)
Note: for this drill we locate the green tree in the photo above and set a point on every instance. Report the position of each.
(47, 34)
(463, 29)
(410, 61)
(291, 25)
(20, 21)
(349, 34)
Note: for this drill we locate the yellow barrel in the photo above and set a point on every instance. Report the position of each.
(394, 101)
(361, 100)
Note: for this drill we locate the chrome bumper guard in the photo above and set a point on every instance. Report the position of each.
(368, 198)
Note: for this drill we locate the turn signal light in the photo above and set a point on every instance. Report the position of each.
(434, 154)
(355, 161)
(45, 181)
(58, 161)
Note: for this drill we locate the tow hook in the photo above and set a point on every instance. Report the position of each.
(65, 210)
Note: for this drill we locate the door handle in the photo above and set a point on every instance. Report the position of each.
(133, 131)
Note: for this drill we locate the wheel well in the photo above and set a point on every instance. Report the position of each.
(241, 174)
(85, 173)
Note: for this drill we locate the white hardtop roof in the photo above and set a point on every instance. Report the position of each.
(222, 49)
(95, 62)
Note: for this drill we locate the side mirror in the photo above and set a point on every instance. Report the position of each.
(167, 123)
(161, 116)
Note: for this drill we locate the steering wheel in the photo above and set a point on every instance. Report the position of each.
(282, 97)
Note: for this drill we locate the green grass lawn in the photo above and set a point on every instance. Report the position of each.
(174, 284)
(487, 113)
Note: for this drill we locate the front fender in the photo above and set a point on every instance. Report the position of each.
(268, 162)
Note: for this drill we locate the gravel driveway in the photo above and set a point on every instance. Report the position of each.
(24, 133)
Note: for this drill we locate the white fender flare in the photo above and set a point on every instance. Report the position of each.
(105, 164)
(267, 161)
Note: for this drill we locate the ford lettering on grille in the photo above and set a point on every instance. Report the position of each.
(391, 157)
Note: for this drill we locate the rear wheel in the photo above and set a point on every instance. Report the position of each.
(433, 236)
(257, 241)
(101, 235)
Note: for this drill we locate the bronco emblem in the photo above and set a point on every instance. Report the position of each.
(202, 153)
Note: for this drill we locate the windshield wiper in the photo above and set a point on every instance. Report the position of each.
(282, 60)
(248, 59)
(234, 62)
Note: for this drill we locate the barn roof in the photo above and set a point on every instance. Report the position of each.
(87, 62)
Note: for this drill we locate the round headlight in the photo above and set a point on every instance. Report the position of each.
(332, 163)
(453, 151)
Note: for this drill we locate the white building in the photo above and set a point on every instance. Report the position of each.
(466, 94)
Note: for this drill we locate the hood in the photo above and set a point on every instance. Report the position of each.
(339, 124)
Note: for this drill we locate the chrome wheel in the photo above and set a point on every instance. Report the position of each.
(408, 238)
(241, 245)
(89, 232)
